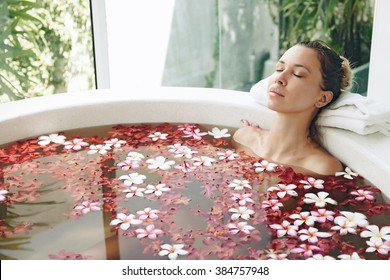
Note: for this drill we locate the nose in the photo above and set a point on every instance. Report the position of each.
(280, 79)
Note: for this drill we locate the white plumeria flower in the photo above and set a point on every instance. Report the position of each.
(375, 234)
(133, 178)
(134, 191)
(264, 165)
(87, 206)
(158, 136)
(239, 185)
(319, 200)
(148, 213)
(239, 227)
(184, 152)
(125, 221)
(303, 217)
(52, 138)
(173, 251)
(2, 195)
(275, 255)
(284, 189)
(230, 155)
(363, 195)
(115, 142)
(285, 228)
(76, 144)
(150, 232)
(128, 164)
(274, 204)
(312, 183)
(94, 149)
(343, 226)
(135, 156)
(242, 198)
(306, 249)
(175, 147)
(160, 163)
(353, 219)
(348, 174)
(353, 256)
(203, 161)
(185, 167)
(378, 246)
(312, 234)
(242, 212)
(219, 133)
(157, 190)
(321, 257)
(322, 215)
(196, 134)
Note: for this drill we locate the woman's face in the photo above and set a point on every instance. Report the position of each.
(295, 85)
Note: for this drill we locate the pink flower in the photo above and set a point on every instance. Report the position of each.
(75, 144)
(378, 246)
(284, 189)
(157, 190)
(185, 167)
(239, 185)
(196, 134)
(285, 228)
(230, 155)
(87, 206)
(148, 213)
(306, 249)
(150, 232)
(274, 204)
(312, 234)
(239, 227)
(125, 221)
(303, 217)
(362, 195)
(128, 164)
(134, 191)
(312, 183)
(322, 215)
(115, 142)
(242, 198)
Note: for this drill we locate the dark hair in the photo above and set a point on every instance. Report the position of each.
(336, 75)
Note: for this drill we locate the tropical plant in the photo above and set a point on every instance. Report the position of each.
(345, 25)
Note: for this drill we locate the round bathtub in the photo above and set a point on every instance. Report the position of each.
(366, 155)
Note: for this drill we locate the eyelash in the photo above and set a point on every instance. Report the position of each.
(296, 75)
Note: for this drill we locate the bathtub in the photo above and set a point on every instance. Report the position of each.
(367, 155)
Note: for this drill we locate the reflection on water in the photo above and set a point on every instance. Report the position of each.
(177, 191)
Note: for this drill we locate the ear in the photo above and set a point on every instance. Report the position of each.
(326, 97)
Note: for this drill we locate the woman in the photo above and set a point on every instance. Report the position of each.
(308, 78)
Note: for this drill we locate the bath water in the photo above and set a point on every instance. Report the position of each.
(177, 191)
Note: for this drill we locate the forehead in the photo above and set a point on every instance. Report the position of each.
(303, 56)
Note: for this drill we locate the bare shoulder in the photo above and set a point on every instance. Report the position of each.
(245, 135)
(323, 163)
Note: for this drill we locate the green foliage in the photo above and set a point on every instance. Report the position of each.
(39, 39)
(346, 25)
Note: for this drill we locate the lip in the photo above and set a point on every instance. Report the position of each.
(274, 91)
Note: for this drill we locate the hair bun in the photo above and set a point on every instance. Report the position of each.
(346, 80)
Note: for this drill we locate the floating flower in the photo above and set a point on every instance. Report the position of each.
(239, 185)
(184, 151)
(319, 200)
(242, 198)
(135, 156)
(348, 174)
(312, 234)
(285, 228)
(343, 227)
(375, 234)
(230, 155)
(239, 227)
(303, 217)
(157, 190)
(219, 133)
(115, 142)
(322, 215)
(283, 190)
(2, 195)
(353, 219)
(150, 232)
(185, 167)
(321, 257)
(203, 161)
(134, 191)
(158, 136)
(274, 204)
(276, 255)
(173, 251)
(306, 249)
(160, 163)
(148, 213)
(175, 147)
(52, 138)
(264, 165)
(93, 149)
(125, 221)
(363, 195)
(378, 246)
(87, 206)
(241, 212)
(76, 144)
(128, 164)
(312, 183)
(353, 256)
(133, 178)
(196, 134)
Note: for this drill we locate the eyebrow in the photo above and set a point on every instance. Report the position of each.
(296, 65)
